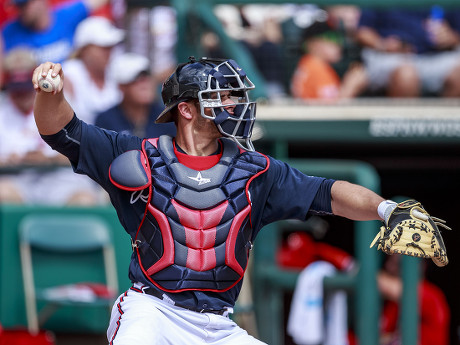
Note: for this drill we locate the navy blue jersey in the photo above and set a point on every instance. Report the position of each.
(280, 193)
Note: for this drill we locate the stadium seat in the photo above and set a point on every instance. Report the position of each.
(67, 262)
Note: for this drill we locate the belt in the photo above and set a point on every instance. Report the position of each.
(160, 295)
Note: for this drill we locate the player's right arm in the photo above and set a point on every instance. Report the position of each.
(51, 110)
(90, 149)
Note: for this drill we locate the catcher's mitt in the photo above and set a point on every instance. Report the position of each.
(410, 230)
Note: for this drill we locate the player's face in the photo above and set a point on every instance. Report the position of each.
(226, 99)
(203, 125)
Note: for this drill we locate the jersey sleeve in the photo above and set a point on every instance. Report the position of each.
(99, 147)
(91, 149)
(284, 192)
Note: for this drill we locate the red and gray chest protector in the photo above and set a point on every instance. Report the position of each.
(196, 230)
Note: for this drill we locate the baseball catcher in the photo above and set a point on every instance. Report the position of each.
(408, 229)
(193, 204)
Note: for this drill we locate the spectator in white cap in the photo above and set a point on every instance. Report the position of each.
(90, 88)
(139, 108)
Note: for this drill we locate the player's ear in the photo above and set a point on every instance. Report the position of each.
(185, 110)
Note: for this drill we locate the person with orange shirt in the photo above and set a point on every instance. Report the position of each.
(314, 77)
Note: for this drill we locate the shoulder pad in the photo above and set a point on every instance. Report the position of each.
(130, 171)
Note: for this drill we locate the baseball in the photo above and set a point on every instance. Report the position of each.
(48, 83)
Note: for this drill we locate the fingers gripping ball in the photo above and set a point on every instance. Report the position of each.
(410, 230)
(48, 83)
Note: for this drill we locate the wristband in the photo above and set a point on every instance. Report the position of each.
(385, 208)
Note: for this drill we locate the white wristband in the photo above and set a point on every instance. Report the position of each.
(385, 208)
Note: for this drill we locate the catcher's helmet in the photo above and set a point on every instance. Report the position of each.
(204, 80)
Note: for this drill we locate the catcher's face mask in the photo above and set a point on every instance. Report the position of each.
(207, 80)
(236, 124)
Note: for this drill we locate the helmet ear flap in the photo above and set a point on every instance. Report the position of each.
(170, 89)
(175, 90)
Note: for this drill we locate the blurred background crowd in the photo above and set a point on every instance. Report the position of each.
(115, 55)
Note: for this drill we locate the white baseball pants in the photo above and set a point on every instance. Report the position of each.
(138, 318)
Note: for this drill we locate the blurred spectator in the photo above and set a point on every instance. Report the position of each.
(257, 27)
(23, 151)
(411, 52)
(434, 313)
(137, 112)
(2, 77)
(315, 77)
(264, 43)
(315, 317)
(299, 18)
(164, 35)
(299, 251)
(90, 87)
(210, 43)
(152, 32)
(7, 11)
(114, 10)
(47, 30)
(345, 19)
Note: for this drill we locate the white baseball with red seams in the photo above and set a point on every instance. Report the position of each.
(48, 83)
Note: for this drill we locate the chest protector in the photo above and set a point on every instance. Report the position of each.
(196, 230)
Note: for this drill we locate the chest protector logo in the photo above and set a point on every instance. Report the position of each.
(196, 232)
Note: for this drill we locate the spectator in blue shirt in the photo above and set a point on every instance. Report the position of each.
(47, 30)
(137, 112)
(412, 52)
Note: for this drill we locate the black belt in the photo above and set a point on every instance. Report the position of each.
(159, 295)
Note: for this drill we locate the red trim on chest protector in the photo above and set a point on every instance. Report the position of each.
(168, 242)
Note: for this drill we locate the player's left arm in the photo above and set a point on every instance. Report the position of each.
(354, 202)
